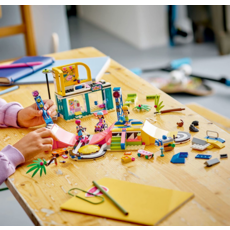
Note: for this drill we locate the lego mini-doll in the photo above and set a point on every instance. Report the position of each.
(35, 142)
(79, 130)
(101, 118)
(126, 115)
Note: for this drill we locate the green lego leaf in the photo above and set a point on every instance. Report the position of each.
(41, 172)
(35, 172)
(32, 165)
(36, 161)
(31, 169)
(44, 168)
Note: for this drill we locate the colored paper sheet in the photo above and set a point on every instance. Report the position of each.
(146, 205)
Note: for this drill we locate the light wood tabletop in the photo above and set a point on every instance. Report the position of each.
(41, 197)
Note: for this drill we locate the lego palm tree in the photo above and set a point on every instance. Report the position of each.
(158, 105)
(38, 165)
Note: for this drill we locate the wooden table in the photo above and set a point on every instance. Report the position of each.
(211, 186)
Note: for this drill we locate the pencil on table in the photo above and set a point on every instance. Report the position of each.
(109, 197)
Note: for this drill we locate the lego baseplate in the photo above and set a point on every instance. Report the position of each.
(128, 148)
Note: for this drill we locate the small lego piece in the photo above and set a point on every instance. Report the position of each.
(199, 141)
(131, 99)
(192, 128)
(162, 151)
(140, 108)
(126, 159)
(148, 155)
(65, 156)
(62, 161)
(212, 162)
(128, 153)
(200, 147)
(183, 154)
(180, 124)
(158, 105)
(217, 138)
(202, 156)
(36, 166)
(176, 159)
(223, 156)
(195, 123)
(148, 97)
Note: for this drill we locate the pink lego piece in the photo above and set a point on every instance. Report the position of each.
(102, 137)
(65, 156)
(101, 106)
(123, 135)
(63, 138)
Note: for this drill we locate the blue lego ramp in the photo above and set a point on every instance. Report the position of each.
(176, 159)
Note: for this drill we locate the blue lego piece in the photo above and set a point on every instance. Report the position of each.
(48, 120)
(164, 137)
(202, 156)
(162, 151)
(177, 160)
(183, 155)
(215, 139)
(158, 142)
(116, 88)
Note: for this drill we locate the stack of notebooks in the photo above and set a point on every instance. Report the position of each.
(34, 75)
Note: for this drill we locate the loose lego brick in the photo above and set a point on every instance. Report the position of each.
(65, 156)
(202, 156)
(223, 156)
(151, 96)
(212, 162)
(200, 147)
(198, 141)
(177, 160)
(183, 155)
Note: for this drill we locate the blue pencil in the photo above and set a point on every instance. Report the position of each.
(9, 89)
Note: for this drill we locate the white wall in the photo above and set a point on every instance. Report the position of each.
(141, 26)
(46, 20)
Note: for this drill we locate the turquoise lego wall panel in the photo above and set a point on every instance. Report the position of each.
(109, 97)
(87, 103)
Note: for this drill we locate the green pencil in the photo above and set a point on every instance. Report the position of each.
(108, 196)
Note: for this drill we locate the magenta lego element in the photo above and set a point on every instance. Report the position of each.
(35, 93)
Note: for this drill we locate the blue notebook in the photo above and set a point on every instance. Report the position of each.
(97, 65)
(10, 76)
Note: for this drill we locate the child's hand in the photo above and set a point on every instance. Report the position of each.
(35, 142)
(32, 116)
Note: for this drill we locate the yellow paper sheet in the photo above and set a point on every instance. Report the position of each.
(146, 205)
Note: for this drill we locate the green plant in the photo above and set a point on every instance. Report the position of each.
(158, 105)
(38, 165)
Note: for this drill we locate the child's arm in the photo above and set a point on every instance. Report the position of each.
(10, 158)
(13, 114)
(38, 141)
(8, 113)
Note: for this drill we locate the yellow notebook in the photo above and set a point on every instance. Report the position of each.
(146, 205)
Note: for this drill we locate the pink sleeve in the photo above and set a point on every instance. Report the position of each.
(8, 113)
(10, 158)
